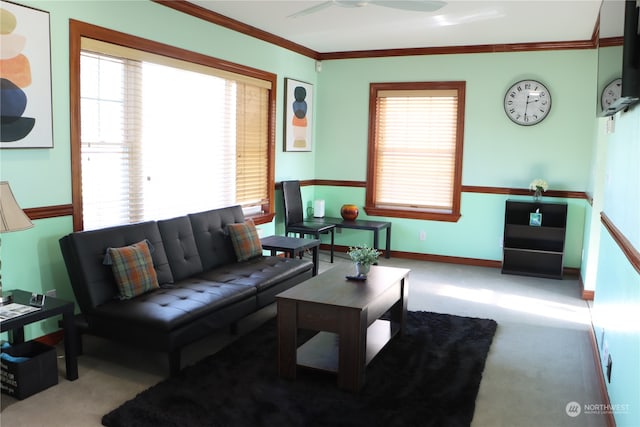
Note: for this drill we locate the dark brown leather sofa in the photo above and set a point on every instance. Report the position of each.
(202, 285)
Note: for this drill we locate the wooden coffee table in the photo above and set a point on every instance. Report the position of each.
(348, 314)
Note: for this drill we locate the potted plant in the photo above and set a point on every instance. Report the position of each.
(363, 256)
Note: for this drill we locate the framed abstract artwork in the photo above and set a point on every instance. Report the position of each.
(298, 127)
(25, 78)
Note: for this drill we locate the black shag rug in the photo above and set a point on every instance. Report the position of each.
(430, 377)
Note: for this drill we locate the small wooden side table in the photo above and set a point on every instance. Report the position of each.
(293, 246)
(52, 307)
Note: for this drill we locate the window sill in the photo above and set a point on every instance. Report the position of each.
(412, 214)
(261, 218)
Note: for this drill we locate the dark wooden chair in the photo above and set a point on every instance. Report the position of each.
(294, 221)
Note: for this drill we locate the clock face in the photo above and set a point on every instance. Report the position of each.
(611, 93)
(527, 102)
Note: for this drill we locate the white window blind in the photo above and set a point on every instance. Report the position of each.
(415, 149)
(111, 157)
(159, 140)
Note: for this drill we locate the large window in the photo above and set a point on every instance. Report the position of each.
(160, 132)
(415, 150)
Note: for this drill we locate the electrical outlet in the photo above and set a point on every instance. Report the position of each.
(422, 235)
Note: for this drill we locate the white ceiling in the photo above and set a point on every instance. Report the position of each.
(458, 23)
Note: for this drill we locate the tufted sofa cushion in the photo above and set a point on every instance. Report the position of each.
(261, 273)
(180, 246)
(268, 275)
(92, 281)
(169, 308)
(211, 235)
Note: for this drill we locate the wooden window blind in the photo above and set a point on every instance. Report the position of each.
(415, 151)
(251, 151)
(161, 139)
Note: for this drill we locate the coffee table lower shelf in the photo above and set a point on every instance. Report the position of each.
(322, 351)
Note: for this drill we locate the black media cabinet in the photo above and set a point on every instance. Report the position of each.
(533, 250)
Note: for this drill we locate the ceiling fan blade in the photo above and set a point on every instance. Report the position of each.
(312, 9)
(351, 3)
(413, 5)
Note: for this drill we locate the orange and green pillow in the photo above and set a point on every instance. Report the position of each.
(245, 239)
(133, 269)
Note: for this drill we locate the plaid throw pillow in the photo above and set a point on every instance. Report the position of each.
(133, 268)
(246, 242)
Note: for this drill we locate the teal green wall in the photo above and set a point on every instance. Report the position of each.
(609, 68)
(31, 259)
(616, 308)
(621, 194)
(595, 190)
(616, 314)
(477, 235)
(497, 152)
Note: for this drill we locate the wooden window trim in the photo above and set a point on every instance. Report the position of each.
(78, 30)
(370, 207)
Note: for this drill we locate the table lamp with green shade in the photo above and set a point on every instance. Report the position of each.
(12, 218)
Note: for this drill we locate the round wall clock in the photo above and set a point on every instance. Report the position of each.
(527, 102)
(611, 93)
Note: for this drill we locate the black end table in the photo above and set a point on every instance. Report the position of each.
(363, 224)
(52, 307)
(293, 246)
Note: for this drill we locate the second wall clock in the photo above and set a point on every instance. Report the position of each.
(611, 93)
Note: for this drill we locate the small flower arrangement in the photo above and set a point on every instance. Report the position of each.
(539, 185)
(363, 254)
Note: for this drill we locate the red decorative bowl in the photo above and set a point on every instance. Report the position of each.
(349, 212)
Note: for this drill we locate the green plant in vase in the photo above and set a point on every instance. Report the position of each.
(363, 256)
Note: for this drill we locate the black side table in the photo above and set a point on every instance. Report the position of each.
(293, 246)
(362, 224)
(52, 307)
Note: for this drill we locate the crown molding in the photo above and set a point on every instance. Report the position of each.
(192, 9)
(232, 24)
